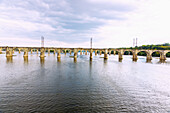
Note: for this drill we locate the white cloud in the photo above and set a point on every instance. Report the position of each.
(150, 24)
(112, 23)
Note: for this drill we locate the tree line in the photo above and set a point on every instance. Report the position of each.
(165, 46)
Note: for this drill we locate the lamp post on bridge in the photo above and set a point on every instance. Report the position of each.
(42, 54)
(91, 51)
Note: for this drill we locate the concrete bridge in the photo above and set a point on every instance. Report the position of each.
(86, 51)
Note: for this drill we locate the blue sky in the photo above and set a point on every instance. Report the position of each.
(71, 23)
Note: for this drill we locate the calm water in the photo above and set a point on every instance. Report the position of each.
(31, 85)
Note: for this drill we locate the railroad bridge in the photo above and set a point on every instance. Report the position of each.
(98, 51)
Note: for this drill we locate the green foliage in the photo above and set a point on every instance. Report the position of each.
(168, 55)
(165, 46)
(51, 50)
(128, 53)
(142, 53)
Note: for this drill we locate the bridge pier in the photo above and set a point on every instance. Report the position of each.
(91, 54)
(135, 56)
(70, 52)
(75, 53)
(25, 52)
(58, 53)
(9, 52)
(42, 54)
(80, 52)
(31, 51)
(162, 57)
(0, 50)
(105, 54)
(48, 51)
(37, 51)
(149, 58)
(114, 52)
(19, 51)
(9, 59)
(26, 60)
(100, 53)
(86, 52)
(55, 52)
(65, 51)
(109, 52)
(120, 53)
(95, 52)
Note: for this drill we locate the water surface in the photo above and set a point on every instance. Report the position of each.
(34, 85)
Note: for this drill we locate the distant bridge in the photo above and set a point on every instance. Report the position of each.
(86, 51)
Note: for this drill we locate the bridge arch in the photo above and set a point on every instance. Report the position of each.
(128, 52)
(142, 53)
(167, 53)
(146, 53)
(156, 53)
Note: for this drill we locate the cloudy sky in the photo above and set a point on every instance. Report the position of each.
(71, 23)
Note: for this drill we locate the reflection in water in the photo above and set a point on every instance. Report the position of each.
(91, 59)
(9, 59)
(26, 60)
(75, 60)
(58, 59)
(148, 61)
(134, 60)
(162, 61)
(42, 60)
(120, 60)
(105, 61)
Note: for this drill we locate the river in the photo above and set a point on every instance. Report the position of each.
(49, 86)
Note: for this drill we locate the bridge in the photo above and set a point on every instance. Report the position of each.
(10, 51)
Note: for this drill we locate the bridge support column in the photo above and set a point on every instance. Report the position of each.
(135, 57)
(9, 52)
(100, 52)
(19, 51)
(109, 52)
(91, 54)
(149, 58)
(48, 51)
(162, 57)
(13, 51)
(114, 52)
(55, 52)
(95, 52)
(26, 59)
(65, 51)
(31, 51)
(120, 53)
(75, 53)
(0, 50)
(25, 52)
(105, 54)
(80, 52)
(58, 53)
(86, 52)
(70, 52)
(42, 54)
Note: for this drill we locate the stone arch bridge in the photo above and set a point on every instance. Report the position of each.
(86, 51)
